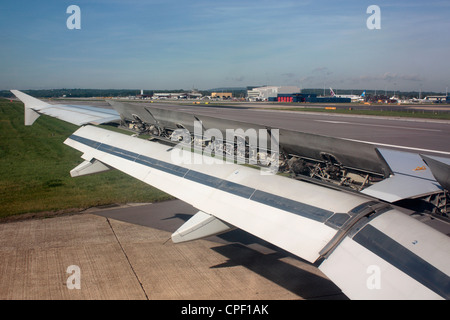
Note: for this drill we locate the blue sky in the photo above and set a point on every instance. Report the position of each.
(171, 44)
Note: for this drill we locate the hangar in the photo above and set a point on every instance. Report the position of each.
(289, 94)
(268, 92)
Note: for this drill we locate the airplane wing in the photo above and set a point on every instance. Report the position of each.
(388, 175)
(76, 114)
(367, 247)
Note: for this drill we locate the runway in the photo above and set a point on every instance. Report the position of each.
(123, 252)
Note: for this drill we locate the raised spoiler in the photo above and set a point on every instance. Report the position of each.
(369, 249)
(351, 154)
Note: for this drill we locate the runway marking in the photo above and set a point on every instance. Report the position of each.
(400, 147)
(330, 121)
(378, 125)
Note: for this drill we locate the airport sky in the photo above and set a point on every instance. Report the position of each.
(174, 44)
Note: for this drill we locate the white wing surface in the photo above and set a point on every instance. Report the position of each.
(345, 234)
(368, 248)
(75, 114)
(410, 178)
(290, 214)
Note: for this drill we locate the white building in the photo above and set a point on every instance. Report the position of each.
(264, 93)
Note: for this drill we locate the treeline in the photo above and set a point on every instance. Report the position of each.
(88, 93)
(82, 93)
(237, 92)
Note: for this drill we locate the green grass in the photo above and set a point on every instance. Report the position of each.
(35, 166)
(385, 113)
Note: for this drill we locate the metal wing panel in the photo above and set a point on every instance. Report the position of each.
(410, 178)
(392, 257)
(78, 115)
(411, 257)
(293, 220)
(361, 274)
(440, 168)
(400, 187)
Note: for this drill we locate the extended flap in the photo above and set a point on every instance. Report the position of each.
(201, 225)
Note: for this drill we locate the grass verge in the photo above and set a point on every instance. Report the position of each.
(35, 166)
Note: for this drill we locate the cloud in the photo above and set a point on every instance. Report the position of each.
(236, 79)
(306, 79)
(323, 70)
(390, 77)
(288, 75)
(412, 77)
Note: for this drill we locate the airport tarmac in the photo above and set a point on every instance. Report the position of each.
(125, 253)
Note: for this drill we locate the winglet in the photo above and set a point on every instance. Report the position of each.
(31, 105)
